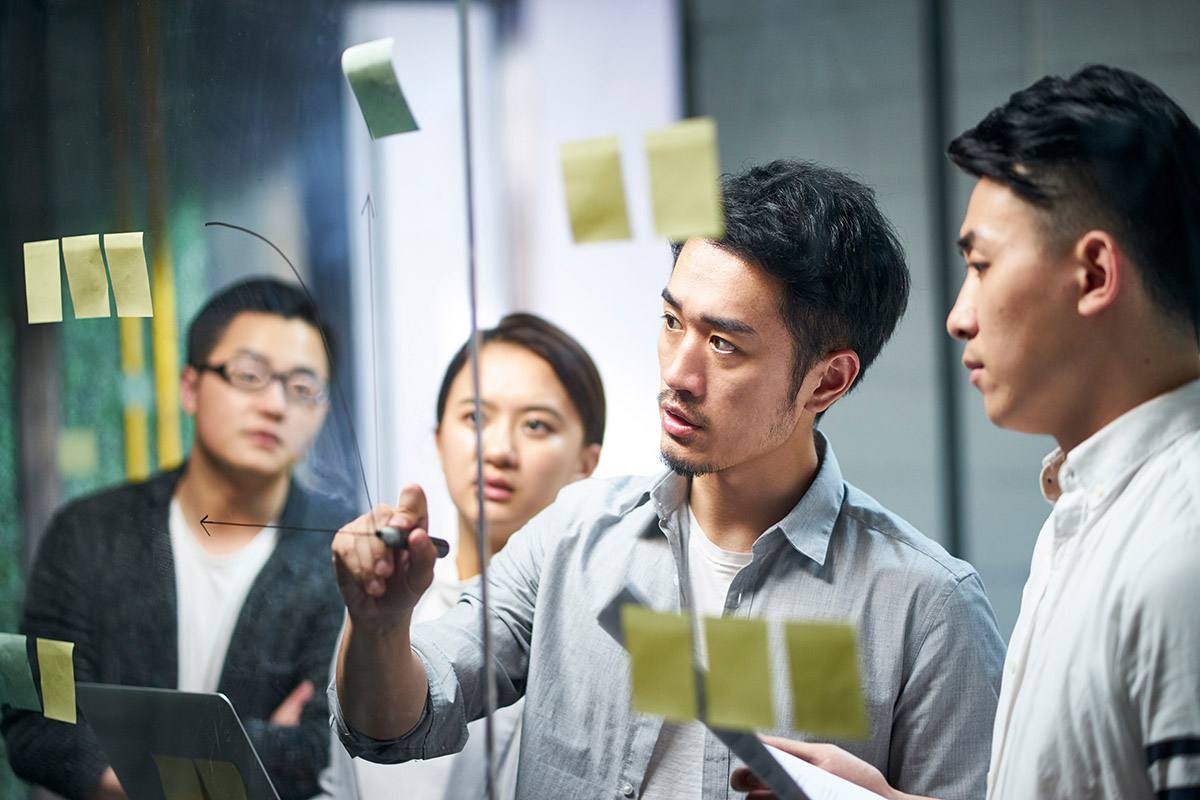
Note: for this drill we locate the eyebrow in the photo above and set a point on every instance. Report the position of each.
(720, 323)
(245, 351)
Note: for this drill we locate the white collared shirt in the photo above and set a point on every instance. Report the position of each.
(1101, 690)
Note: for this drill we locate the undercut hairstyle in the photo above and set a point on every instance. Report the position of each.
(1103, 149)
(822, 235)
(571, 364)
(254, 295)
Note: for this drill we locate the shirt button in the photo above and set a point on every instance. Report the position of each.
(627, 789)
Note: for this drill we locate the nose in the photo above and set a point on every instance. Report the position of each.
(961, 322)
(499, 445)
(272, 400)
(681, 363)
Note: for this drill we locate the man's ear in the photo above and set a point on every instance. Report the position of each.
(1099, 263)
(189, 390)
(834, 375)
(589, 457)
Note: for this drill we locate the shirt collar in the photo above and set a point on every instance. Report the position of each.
(807, 527)
(1123, 444)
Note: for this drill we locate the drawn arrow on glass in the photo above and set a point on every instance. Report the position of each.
(392, 537)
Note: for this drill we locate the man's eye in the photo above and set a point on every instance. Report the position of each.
(722, 345)
(248, 377)
(978, 266)
(671, 322)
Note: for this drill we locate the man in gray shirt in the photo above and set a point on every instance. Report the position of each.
(762, 332)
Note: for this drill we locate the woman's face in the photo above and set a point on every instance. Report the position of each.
(532, 439)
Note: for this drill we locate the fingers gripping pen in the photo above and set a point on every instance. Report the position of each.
(397, 538)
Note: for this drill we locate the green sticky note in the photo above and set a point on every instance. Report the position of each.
(43, 282)
(661, 666)
(85, 276)
(595, 195)
(738, 685)
(685, 180)
(126, 258)
(827, 697)
(221, 779)
(372, 77)
(179, 778)
(78, 452)
(58, 679)
(16, 679)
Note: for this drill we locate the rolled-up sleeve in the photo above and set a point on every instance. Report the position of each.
(451, 650)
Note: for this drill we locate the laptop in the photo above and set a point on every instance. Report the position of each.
(135, 724)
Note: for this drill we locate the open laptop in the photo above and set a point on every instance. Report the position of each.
(135, 724)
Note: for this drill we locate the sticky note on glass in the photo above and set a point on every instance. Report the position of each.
(372, 77)
(591, 171)
(685, 180)
(85, 276)
(827, 697)
(58, 679)
(661, 665)
(220, 779)
(179, 778)
(126, 258)
(738, 684)
(43, 282)
(16, 679)
(78, 452)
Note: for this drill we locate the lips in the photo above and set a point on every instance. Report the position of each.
(676, 423)
(975, 368)
(497, 489)
(264, 439)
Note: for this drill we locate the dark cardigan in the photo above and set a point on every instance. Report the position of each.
(104, 579)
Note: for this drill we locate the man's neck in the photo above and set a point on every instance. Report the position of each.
(208, 489)
(735, 506)
(1115, 386)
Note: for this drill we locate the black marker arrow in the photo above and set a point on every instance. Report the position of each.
(205, 522)
(392, 537)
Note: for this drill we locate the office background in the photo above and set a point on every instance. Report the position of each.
(163, 115)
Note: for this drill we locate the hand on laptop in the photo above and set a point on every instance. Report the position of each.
(381, 585)
(109, 788)
(289, 711)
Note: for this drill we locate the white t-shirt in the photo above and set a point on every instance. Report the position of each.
(677, 764)
(209, 592)
(1101, 690)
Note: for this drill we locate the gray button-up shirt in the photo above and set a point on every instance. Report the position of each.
(930, 653)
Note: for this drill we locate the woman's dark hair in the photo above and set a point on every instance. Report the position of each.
(819, 232)
(571, 364)
(261, 295)
(1104, 148)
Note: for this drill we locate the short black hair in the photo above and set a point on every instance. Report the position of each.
(1103, 148)
(821, 233)
(261, 295)
(572, 366)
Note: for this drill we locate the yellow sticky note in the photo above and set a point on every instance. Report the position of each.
(661, 665)
(16, 679)
(685, 180)
(78, 452)
(127, 270)
(827, 697)
(738, 686)
(58, 679)
(372, 77)
(221, 779)
(43, 282)
(85, 276)
(179, 778)
(595, 195)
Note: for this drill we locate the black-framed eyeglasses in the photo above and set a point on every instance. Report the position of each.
(249, 373)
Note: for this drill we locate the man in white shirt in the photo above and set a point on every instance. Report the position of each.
(1080, 312)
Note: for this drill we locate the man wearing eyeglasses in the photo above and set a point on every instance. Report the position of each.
(152, 597)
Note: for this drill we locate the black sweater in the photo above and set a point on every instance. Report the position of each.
(104, 579)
